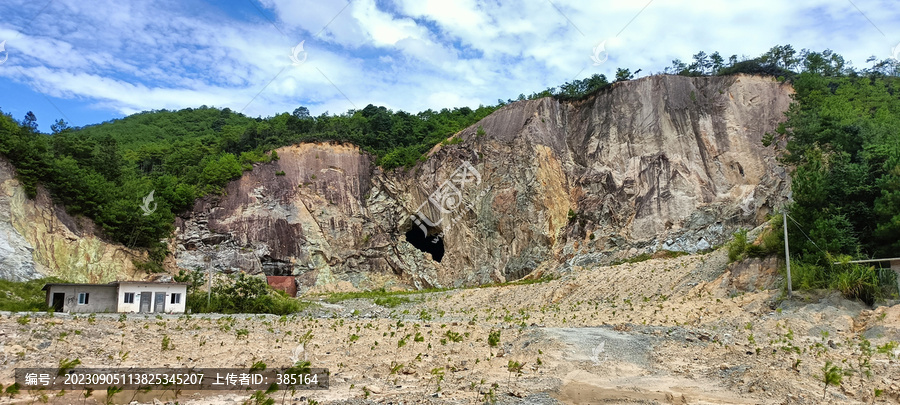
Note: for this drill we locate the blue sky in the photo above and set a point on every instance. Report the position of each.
(92, 61)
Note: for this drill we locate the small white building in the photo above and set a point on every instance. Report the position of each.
(118, 296)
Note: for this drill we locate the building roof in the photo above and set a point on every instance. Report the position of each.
(47, 286)
(110, 284)
(149, 282)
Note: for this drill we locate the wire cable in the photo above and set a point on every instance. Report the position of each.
(804, 233)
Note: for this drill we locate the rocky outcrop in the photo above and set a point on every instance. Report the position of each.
(305, 214)
(38, 238)
(16, 261)
(664, 162)
(752, 274)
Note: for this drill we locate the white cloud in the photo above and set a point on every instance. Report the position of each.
(382, 28)
(409, 54)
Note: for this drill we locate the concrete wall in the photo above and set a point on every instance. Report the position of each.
(152, 289)
(102, 298)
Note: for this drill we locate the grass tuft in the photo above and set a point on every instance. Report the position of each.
(19, 296)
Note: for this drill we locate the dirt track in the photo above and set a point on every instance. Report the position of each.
(661, 331)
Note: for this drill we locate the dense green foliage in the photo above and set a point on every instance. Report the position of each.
(22, 296)
(770, 242)
(843, 138)
(841, 142)
(237, 294)
(103, 171)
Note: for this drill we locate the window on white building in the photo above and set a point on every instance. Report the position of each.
(129, 298)
(83, 298)
(176, 298)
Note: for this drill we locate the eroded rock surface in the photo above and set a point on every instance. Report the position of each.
(664, 162)
(38, 238)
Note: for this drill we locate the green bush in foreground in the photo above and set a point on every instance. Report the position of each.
(770, 243)
(238, 294)
(19, 296)
(854, 281)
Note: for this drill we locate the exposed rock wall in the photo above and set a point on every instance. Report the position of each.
(664, 162)
(305, 215)
(674, 162)
(38, 238)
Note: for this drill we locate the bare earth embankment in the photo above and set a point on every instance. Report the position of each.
(661, 331)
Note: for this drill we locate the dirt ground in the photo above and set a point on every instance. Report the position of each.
(664, 331)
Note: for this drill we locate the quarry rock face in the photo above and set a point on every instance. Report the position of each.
(16, 262)
(663, 162)
(660, 163)
(303, 215)
(38, 238)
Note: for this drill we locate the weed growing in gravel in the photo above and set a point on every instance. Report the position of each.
(866, 351)
(241, 334)
(122, 356)
(888, 349)
(453, 336)
(38, 394)
(438, 373)
(24, 319)
(167, 343)
(490, 397)
(494, 338)
(262, 397)
(110, 393)
(65, 365)
(832, 375)
(513, 367)
(305, 338)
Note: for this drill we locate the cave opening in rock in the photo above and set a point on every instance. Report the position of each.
(431, 243)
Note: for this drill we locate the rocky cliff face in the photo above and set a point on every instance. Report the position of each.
(38, 238)
(664, 162)
(307, 214)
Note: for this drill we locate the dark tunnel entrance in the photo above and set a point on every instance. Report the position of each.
(432, 244)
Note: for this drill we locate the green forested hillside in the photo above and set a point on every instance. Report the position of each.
(103, 171)
(841, 136)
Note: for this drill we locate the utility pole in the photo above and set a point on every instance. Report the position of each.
(208, 279)
(787, 254)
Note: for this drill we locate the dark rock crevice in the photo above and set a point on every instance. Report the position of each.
(430, 243)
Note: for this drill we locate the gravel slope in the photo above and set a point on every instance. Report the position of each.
(660, 331)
